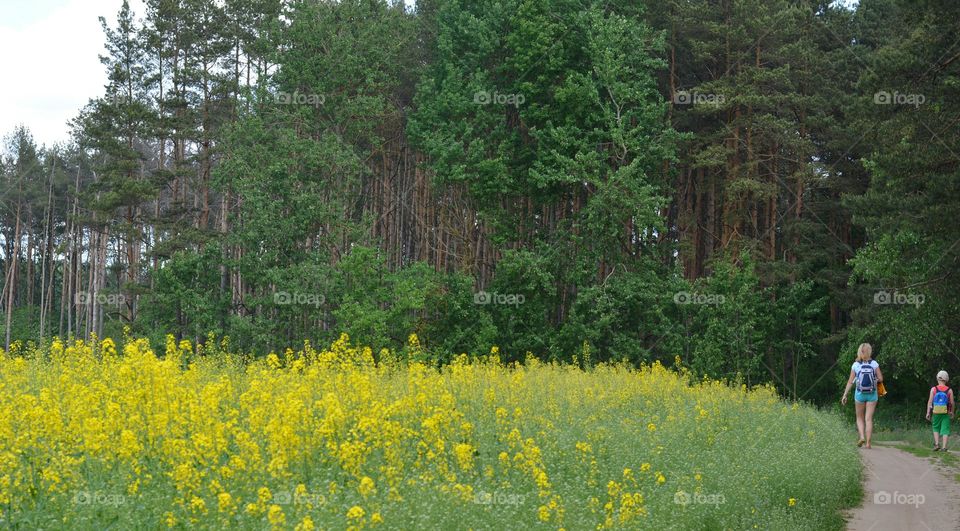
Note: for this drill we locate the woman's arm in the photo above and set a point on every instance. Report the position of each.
(846, 390)
(930, 403)
(879, 375)
(952, 405)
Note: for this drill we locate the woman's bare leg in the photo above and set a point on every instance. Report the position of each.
(859, 406)
(868, 420)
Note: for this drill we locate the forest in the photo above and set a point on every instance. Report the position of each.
(746, 188)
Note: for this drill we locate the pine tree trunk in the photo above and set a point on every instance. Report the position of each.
(47, 246)
(10, 286)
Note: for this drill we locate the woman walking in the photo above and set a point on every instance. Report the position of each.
(865, 374)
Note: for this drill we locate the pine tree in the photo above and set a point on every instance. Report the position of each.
(907, 269)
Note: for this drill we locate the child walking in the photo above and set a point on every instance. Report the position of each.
(940, 410)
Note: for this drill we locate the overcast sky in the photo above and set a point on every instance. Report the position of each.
(49, 56)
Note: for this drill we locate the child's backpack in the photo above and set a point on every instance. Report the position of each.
(866, 379)
(941, 398)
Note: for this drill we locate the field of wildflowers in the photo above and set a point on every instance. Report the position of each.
(97, 435)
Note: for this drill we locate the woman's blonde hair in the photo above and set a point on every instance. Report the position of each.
(864, 352)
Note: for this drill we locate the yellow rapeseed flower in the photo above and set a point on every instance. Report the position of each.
(306, 524)
(250, 439)
(366, 486)
(464, 453)
(543, 513)
(275, 515)
(198, 505)
(225, 502)
(263, 494)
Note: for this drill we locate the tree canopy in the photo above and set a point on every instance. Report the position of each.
(747, 188)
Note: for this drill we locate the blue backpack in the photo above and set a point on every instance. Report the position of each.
(866, 379)
(940, 400)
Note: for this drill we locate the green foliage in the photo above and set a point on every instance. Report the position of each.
(377, 305)
(454, 322)
(519, 302)
(185, 301)
(538, 104)
(629, 316)
(725, 317)
(910, 295)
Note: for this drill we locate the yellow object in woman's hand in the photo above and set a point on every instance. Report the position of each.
(881, 389)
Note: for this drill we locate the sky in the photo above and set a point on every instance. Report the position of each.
(49, 57)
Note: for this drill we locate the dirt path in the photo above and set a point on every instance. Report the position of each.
(904, 492)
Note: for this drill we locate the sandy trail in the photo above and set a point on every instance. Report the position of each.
(905, 492)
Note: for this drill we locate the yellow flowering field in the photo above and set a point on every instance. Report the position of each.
(95, 435)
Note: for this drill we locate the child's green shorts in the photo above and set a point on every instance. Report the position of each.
(941, 423)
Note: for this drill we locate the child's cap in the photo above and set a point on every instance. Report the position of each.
(942, 375)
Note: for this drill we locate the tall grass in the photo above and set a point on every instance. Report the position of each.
(91, 437)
